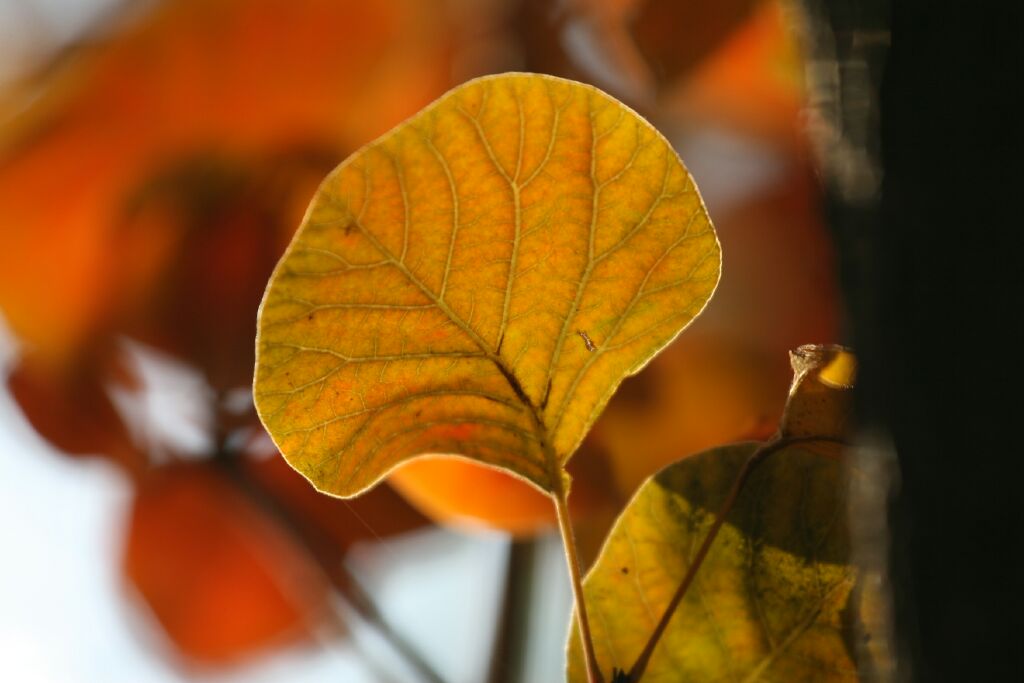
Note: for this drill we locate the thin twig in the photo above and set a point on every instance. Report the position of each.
(342, 580)
(353, 593)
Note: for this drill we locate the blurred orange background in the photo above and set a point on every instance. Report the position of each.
(155, 158)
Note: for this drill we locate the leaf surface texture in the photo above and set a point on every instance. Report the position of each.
(477, 282)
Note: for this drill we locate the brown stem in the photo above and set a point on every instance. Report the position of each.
(776, 443)
(572, 557)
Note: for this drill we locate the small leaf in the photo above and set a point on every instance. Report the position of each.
(436, 298)
(778, 596)
(820, 401)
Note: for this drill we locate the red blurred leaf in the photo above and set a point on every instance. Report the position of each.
(221, 578)
(71, 408)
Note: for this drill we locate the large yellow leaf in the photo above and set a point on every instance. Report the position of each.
(477, 282)
(779, 596)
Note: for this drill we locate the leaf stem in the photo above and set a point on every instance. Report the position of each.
(776, 443)
(561, 498)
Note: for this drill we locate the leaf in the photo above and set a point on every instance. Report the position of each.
(820, 402)
(72, 409)
(477, 282)
(222, 578)
(778, 596)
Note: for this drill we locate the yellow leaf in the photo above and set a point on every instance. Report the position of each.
(778, 596)
(477, 282)
(820, 401)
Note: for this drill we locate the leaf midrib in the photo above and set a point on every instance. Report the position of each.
(537, 411)
(551, 461)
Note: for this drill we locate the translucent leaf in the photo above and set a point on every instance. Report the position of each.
(477, 282)
(778, 597)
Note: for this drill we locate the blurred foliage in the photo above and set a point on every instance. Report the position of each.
(151, 180)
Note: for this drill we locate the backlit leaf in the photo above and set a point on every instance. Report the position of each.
(477, 282)
(778, 597)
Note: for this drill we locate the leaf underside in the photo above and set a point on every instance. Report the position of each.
(477, 282)
(779, 596)
(776, 598)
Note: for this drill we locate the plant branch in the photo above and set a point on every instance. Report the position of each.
(356, 596)
(771, 446)
(322, 550)
(572, 557)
